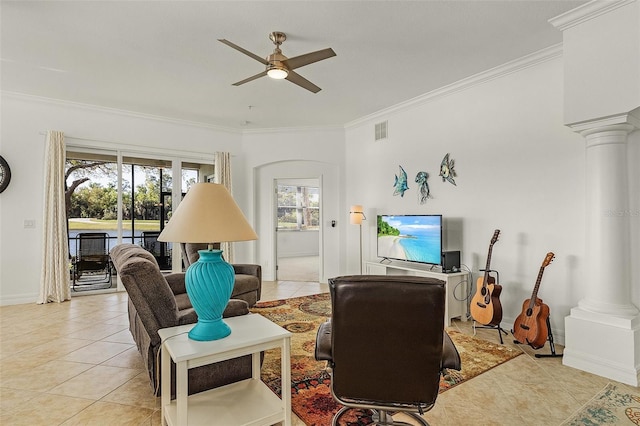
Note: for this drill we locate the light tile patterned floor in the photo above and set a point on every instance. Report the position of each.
(75, 364)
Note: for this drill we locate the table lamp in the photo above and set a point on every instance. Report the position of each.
(208, 214)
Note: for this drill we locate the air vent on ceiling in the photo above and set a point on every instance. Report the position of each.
(381, 130)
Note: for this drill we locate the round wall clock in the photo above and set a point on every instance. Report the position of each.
(5, 174)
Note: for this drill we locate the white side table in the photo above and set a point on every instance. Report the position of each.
(248, 402)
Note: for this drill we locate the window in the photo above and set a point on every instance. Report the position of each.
(298, 208)
(91, 187)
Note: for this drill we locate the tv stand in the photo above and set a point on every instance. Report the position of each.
(454, 308)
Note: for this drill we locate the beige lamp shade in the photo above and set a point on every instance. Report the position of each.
(356, 215)
(207, 214)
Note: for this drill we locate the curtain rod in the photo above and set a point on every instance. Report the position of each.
(44, 133)
(138, 148)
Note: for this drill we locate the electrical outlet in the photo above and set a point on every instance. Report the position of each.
(29, 223)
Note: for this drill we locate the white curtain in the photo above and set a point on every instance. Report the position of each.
(222, 174)
(54, 276)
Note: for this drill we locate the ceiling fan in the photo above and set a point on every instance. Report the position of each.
(279, 66)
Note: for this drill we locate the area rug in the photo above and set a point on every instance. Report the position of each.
(614, 405)
(310, 384)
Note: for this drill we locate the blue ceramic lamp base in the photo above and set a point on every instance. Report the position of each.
(209, 284)
(206, 330)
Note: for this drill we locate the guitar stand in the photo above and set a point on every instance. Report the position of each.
(492, 327)
(552, 345)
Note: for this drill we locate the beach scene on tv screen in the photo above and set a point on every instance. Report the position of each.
(413, 238)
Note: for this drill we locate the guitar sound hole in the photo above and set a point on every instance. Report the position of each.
(529, 312)
(483, 291)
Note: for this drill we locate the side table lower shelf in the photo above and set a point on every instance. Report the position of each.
(249, 402)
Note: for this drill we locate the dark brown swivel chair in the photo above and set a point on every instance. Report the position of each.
(385, 344)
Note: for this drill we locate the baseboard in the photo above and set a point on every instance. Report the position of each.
(19, 299)
(297, 254)
(601, 367)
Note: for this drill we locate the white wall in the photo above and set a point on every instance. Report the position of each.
(24, 119)
(306, 153)
(311, 153)
(298, 243)
(633, 166)
(519, 170)
(600, 80)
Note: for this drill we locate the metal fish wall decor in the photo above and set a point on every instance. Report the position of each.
(423, 192)
(400, 184)
(447, 171)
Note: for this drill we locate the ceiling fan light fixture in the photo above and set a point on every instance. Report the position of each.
(278, 66)
(277, 73)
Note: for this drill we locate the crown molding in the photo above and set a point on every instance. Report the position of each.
(122, 112)
(133, 114)
(629, 120)
(510, 67)
(586, 12)
(305, 129)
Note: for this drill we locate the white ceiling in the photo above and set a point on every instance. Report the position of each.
(163, 58)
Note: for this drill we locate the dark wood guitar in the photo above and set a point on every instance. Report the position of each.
(485, 305)
(531, 325)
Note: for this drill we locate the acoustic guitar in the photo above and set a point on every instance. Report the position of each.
(531, 325)
(485, 305)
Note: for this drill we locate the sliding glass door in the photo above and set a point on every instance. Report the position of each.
(91, 196)
(128, 198)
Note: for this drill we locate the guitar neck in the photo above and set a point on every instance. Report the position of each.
(486, 268)
(534, 294)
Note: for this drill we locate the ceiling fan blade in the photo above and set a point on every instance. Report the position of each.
(296, 78)
(309, 58)
(245, 51)
(246, 80)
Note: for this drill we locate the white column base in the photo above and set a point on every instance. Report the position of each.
(627, 310)
(605, 345)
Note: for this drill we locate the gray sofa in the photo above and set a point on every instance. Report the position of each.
(159, 301)
(248, 285)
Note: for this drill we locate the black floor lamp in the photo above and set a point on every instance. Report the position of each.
(356, 216)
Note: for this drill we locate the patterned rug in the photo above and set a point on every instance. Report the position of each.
(310, 384)
(612, 406)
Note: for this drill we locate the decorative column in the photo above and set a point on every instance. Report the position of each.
(601, 55)
(603, 331)
(607, 227)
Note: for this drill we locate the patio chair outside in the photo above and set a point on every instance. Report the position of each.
(160, 250)
(91, 264)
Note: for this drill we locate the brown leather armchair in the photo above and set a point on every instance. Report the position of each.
(385, 344)
(248, 285)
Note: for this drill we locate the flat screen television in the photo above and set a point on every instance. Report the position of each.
(412, 238)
